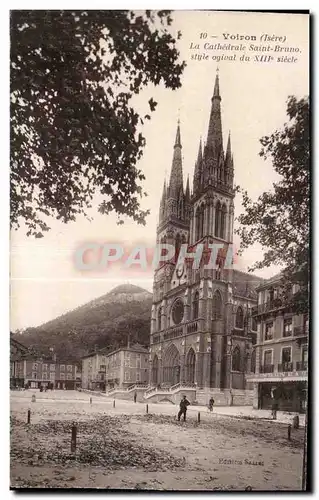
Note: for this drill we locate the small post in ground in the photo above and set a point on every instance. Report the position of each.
(113, 403)
(73, 438)
(146, 408)
(29, 416)
(198, 417)
(289, 432)
(90, 401)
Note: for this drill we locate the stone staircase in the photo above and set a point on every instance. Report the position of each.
(172, 394)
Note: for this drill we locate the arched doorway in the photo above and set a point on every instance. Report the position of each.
(155, 370)
(171, 369)
(190, 366)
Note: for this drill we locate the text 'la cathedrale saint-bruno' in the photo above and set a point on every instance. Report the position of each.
(252, 47)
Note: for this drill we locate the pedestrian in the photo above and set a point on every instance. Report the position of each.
(211, 404)
(183, 408)
(135, 396)
(274, 409)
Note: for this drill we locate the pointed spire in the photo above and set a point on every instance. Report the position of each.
(215, 136)
(198, 168)
(176, 178)
(187, 191)
(228, 153)
(216, 86)
(178, 136)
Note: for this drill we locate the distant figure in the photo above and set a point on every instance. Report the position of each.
(211, 404)
(183, 408)
(135, 396)
(274, 410)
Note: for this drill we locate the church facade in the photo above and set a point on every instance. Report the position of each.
(202, 333)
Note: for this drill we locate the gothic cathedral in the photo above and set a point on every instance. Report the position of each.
(202, 334)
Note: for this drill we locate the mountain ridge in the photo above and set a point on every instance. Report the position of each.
(107, 321)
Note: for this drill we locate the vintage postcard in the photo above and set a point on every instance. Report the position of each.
(160, 201)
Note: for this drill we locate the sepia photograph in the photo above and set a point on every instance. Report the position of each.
(159, 250)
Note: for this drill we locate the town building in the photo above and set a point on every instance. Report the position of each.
(33, 371)
(202, 335)
(281, 351)
(126, 366)
(17, 352)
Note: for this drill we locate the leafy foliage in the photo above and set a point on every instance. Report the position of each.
(279, 219)
(74, 132)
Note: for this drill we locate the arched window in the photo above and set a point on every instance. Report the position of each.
(202, 221)
(155, 370)
(217, 219)
(236, 362)
(190, 366)
(223, 215)
(197, 224)
(239, 318)
(159, 319)
(178, 311)
(217, 305)
(196, 305)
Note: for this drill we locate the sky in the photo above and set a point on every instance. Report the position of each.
(44, 280)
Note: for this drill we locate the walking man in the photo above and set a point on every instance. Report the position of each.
(211, 404)
(183, 408)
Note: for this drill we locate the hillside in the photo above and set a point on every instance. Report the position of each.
(105, 321)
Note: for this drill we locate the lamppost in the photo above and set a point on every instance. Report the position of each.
(230, 354)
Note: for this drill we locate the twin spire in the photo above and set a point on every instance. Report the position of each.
(211, 165)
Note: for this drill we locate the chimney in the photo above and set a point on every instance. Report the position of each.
(128, 340)
(54, 357)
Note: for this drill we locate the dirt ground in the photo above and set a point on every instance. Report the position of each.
(125, 448)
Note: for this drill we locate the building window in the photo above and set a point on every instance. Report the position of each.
(239, 318)
(286, 355)
(254, 324)
(178, 312)
(236, 360)
(52, 368)
(223, 222)
(159, 319)
(287, 327)
(44, 367)
(35, 366)
(217, 305)
(217, 219)
(269, 331)
(126, 376)
(196, 305)
(306, 323)
(44, 376)
(62, 368)
(267, 358)
(127, 362)
(52, 376)
(138, 377)
(69, 368)
(304, 355)
(69, 376)
(34, 375)
(62, 376)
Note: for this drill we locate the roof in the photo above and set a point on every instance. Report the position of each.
(271, 281)
(246, 284)
(18, 344)
(105, 350)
